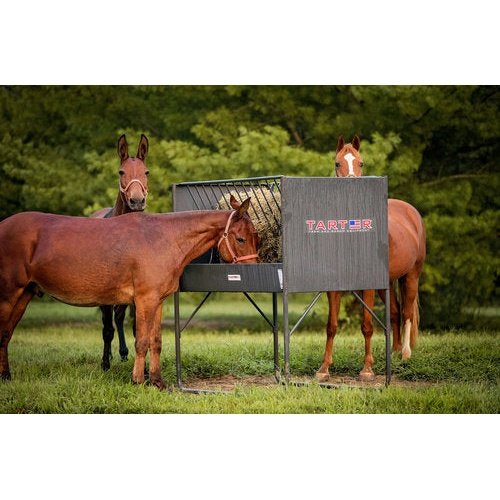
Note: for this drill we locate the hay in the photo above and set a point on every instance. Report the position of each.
(266, 217)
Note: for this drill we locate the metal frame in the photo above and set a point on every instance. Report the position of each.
(204, 195)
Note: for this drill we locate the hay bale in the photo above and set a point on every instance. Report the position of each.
(265, 213)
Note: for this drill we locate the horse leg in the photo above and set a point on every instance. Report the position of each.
(323, 374)
(119, 320)
(108, 332)
(148, 318)
(410, 312)
(155, 350)
(366, 373)
(9, 318)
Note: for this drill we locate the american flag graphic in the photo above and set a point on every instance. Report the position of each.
(355, 224)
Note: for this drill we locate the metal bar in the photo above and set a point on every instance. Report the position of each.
(258, 309)
(258, 202)
(387, 337)
(277, 372)
(203, 391)
(286, 337)
(206, 204)
(226, 181)
(177, 330)
(304, 314)
(193, 198)
(198, 307)
(268, 205)
(369, 310)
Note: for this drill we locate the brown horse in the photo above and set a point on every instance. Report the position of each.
(135, 258)
(132, 194)
(406, 259)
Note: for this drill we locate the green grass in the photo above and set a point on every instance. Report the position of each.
(55, 363)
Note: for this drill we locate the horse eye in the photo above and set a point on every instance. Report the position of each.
(337, 164)
(361, 164)
(147, 172)
(121, 172)
(240, 240)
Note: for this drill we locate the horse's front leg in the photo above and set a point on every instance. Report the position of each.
(366, 373)
(108, 332)
(148, 320)
(323, 374)
(119, 320)
(9, 318)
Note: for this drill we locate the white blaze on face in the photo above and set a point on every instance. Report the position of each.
(349, 157)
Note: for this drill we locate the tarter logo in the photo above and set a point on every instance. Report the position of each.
(339, 225)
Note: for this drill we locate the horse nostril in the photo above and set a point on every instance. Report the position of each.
(136, 201)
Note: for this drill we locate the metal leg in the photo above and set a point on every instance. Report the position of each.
(387, 337)
(286, 333)
(277, 372)
(177, 329)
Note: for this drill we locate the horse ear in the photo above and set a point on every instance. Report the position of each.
(355, 142)
(122, 148)
(142, 151)
(340, 143)
(243, 209)
(234, 203)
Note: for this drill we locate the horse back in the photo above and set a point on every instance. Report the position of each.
(406, 238)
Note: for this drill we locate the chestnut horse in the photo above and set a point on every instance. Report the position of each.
(132, 194)
(136, 258)
(406, 259)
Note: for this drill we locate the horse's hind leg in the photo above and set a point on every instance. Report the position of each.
(366, 373)
(119, 320)
(409, 309)
(108, 332)
(9, 318)
(323, 374)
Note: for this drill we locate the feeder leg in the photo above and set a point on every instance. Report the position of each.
(177, 328)
(277, 373)
(286, 332)
(387, 337)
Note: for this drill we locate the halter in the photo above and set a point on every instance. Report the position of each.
(224, 237)
(125, 189)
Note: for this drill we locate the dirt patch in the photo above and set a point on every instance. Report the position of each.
(230, 382)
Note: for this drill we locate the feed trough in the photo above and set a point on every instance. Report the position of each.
(329, 234)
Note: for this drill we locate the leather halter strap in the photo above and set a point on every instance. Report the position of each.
(125, 189)
(224, 238)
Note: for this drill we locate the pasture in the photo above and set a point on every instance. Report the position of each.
(56, 352)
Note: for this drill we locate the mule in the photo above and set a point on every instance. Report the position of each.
(136, 258)
(407, 252)
(132, 195)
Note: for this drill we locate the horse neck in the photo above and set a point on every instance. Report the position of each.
(199, 232)
(120, 206)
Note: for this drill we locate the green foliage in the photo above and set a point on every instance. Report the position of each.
(438, 145)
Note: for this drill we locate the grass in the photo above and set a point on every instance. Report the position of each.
(55, 363)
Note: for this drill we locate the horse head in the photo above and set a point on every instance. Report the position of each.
(133, 174)
(240, 237)
(348, 161)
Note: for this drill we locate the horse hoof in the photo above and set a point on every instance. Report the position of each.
(322, 377)
(5, 376)
(159, 383)
(406, 354)
(367, 376)
(105, 366)
(125, 358)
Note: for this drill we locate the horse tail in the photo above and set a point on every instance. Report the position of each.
(415, 322)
